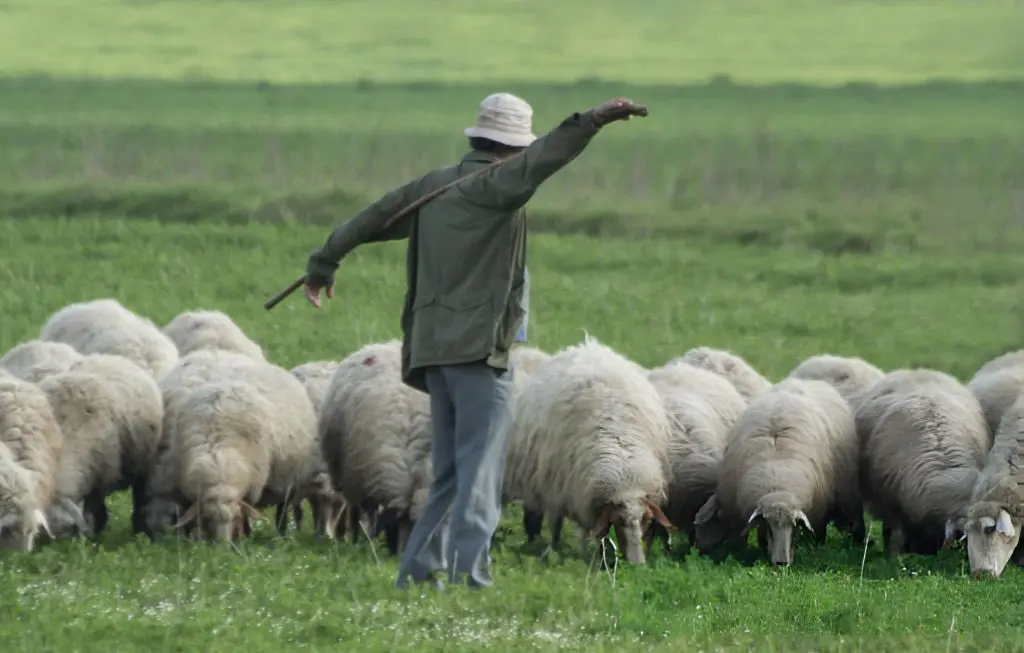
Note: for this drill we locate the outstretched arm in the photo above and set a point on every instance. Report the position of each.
(510, 185)
(366, 227)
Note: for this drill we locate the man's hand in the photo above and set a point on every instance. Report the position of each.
(313, 293)
(617, 109)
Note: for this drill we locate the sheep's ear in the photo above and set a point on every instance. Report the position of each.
(1003, 524)
(190, 514)
(43, 524)
(74, 514)
(655, 512)
(707, 511)
(802, 517)
(251, 513)
(604, 523)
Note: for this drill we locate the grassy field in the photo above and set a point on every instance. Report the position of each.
(805, 184)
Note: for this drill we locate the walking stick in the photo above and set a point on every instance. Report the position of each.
(301, 281)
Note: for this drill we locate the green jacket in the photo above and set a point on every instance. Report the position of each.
(467, 251)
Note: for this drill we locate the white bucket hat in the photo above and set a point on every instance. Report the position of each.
(504, 118)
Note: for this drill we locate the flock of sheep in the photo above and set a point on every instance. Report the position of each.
(205, 432)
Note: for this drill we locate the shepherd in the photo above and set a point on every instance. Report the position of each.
(464, 307)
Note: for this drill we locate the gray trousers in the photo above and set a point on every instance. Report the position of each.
(471, 417)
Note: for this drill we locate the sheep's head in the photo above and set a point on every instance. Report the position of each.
(20, 522)
(161, 514)
(67, 519)
(632, 519)
(219, 520)
(328, 505)
(779, 513)
(993, 533)
(709, 526)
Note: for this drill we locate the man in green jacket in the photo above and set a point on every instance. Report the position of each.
(465, 269)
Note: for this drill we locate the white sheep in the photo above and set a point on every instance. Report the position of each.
(329, 506)
(100, 447)
(790, 461)
(702, 407)
(34, 359)
(140, 414)
(920, 462)
(104, 326)
(996, 515)
(997, 389)
(246, 443)
(165, 503)
(30, 447)
(1004, 361)
(194, 330)
(871, 403)
(590, 442)
(850, 375)
(731, 366)
(375, 432)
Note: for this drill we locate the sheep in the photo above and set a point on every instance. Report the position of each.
(702, 407)
(375, 434)
(104, 326)
(790, 460)
(246, 443)
(731, 366)
(34, 359)
(995, 516)
(101, 446)
(316, 377)
(164, 502)
(1007, 360)
(919, 464)
(590, 441)
(140, 414)
(525, 361)
(851, 376)
(194, 330)
(997, 390)
(329, 506)
(871, 403)
(30, 447)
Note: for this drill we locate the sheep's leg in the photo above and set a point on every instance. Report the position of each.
(533, 521)
(282, 519)
(318, 506)
(762, 539)
(96, 508)
(354, 518)
(404, 529)
(391, 535)
(556, 531)
(297, 514)
(139, 501)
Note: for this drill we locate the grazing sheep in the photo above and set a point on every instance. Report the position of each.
(702, 407)
(30, 447)
(1007, 360)
(329, 506)
(997, 390)
(590, 441)
(195, 330)
(165, 503)
(140, 414)
(375, 433)
(731, 366)
(316, 377)
(525, 361)
(246, 443)
(104, 326)
(872, 403)
(919, 464)
(851, 376)
(101, 447)
(790, 460)
(996, 514)
(35, 359)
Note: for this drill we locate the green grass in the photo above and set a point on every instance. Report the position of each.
(816, 176)
(772, 306)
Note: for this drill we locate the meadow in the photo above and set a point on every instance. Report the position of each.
(840, 177)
